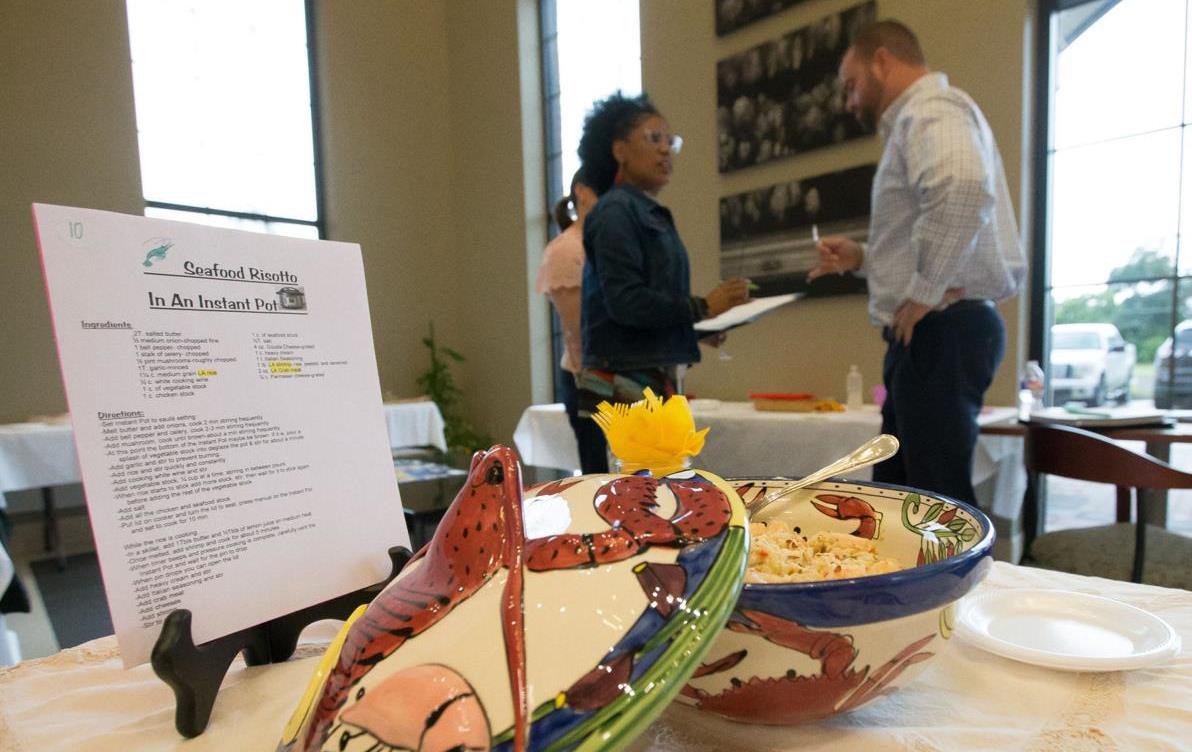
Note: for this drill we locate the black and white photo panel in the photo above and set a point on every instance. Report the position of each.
(768, 234)
(735, 14)
(783, 97)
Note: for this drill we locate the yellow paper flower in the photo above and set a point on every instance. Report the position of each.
(651, 435)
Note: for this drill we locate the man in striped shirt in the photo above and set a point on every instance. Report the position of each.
(943, 247)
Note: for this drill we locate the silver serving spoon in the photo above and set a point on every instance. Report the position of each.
(871, 452)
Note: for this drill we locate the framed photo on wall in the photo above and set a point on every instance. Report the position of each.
(783, 98)
(767, 234)
(735, 14)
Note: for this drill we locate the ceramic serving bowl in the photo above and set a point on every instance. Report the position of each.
(800, 652)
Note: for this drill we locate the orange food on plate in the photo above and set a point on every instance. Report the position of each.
(794, 402)
(828, 405)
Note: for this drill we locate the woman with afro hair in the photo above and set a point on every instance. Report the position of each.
(637, 310)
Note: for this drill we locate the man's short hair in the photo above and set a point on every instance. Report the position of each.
(899, 40)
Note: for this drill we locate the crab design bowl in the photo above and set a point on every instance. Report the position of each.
(800, 652)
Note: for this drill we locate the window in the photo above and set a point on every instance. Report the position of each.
(1115, 269)
(590, 48)
(1111, 307)
(225, 117)
(598, 47)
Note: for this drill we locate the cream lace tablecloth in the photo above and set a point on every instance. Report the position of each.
(967, 699)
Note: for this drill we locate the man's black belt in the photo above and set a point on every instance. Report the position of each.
(960, 305)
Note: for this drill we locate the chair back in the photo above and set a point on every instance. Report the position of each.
(1083, 455)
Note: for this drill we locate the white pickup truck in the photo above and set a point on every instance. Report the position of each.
(1090, 363)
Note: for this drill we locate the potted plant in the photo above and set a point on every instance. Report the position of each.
(462, 438)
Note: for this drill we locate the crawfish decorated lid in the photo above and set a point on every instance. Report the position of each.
(564, 616)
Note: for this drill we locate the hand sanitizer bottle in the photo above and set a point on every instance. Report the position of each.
(852, 387)
(1030, 390)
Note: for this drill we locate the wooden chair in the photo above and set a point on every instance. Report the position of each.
(1083, 455)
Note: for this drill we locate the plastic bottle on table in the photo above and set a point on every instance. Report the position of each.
(1030, 389)
(852, 388)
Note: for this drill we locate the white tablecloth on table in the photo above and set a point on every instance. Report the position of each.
(744, 442)
(967, 699)
(413, 424)
(37, 455)
(10, 651)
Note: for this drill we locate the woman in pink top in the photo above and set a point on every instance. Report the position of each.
(560, 278)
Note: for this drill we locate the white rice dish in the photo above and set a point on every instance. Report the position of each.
(778, 553)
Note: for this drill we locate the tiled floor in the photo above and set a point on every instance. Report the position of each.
(1070, 504)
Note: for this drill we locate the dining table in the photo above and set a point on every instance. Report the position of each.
(10, 649)
(967, 698)
(39, 454)
(743, 441)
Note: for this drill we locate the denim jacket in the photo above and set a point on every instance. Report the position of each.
(637, 305)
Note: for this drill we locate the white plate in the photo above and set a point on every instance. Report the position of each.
(705, 404)
(1067, 631)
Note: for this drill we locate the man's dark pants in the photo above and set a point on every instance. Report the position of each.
(935, 387)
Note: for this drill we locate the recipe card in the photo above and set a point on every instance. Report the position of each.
(227, 415)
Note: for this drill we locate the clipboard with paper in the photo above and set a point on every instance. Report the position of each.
(745, 313)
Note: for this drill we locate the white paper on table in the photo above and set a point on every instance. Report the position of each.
(227, 415)
(745, 313)
(1123, 416)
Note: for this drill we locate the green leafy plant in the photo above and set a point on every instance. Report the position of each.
(462, 438)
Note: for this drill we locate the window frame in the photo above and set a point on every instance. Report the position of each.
(320, 221)
(548, 28)
(1039, 312)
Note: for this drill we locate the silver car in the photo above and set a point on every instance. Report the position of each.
(1173, 381)
(1090, 363)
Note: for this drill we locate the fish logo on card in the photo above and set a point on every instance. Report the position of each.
(158, 251)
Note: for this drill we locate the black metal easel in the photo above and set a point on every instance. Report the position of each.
(195, 672)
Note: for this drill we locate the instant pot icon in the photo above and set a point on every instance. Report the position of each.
(292, 298)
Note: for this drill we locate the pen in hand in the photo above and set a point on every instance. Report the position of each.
(827, 255)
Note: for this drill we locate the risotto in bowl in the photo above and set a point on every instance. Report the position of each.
(850, 591)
